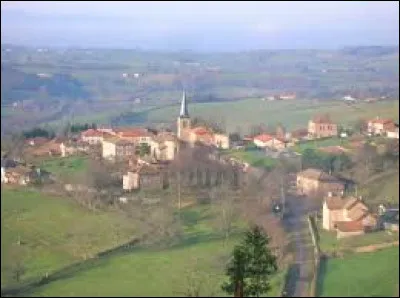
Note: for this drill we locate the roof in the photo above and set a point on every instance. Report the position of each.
(333, 149)
(321, 119)
(317, 175)
(20, 170)
(302, 132)
(263, 137)
(201, 130)
(334, 203)
(132, 132)
(381, 121)
(148, 170)
(349, 226)
(118, 141)
(92, 133)
(184, 109)
(350, 202)
(357, 212)
(38, 140)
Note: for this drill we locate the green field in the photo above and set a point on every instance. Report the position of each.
(292, 114)
(314, 144)
(55, 233)
(64, 166)
(364, 275)
(329, 243)
(253, 157)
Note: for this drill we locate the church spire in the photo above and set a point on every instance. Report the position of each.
(184, 110)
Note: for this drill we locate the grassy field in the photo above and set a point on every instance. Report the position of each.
(384, 189)
(53, 231)
(56, 233)
(329, 244)
(314, 144)
(255, 158)
(292, 114)
(64, 166)
(364, 275)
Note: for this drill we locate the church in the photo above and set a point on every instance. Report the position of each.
(201, 134)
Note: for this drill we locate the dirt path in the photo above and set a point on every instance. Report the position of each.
(374, 247)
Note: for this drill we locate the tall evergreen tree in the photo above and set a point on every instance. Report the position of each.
(251, 266)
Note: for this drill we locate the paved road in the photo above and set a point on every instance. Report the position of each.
(300, 273)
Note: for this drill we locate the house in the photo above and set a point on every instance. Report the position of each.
(37, 141)
(287, 96)
(20, 174)
(135, 135)
(393, 133)
(93, 136)
(297, 135)
(270, 142)
(314, 181)
(144, 177)
(348, 216)
(379, 126)
(113, 147)
(164, 146)
(200, 134)
(322, 127)
(70, 147)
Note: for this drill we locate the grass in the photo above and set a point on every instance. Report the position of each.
(52, 228)
(65, 166)
(314, 144)
(329, 243)
(293, 114)
(255, 157)
(362, 275)
(384, 189)
(54, 232)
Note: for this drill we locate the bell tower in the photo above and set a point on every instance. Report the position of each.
(183, 124)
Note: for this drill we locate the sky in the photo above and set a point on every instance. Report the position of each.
(200, 25)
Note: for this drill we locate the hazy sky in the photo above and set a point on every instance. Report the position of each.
(203, 26)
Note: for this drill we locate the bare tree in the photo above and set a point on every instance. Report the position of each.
(15, 267)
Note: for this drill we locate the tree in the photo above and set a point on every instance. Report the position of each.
(144, 149)
(251, 266)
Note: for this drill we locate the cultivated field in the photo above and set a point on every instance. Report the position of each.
(364, 275)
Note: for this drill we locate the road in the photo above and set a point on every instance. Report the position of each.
(300, 273)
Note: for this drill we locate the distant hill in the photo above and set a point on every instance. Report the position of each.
(17, 85)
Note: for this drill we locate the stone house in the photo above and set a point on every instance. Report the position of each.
(71, 148)
(144, 177)
(379, 126)
(322, 127)
(114, 147)
(313, 181)
(164, 147)
(20, 174)
(270, 142)
(93, 136)
(348, 216)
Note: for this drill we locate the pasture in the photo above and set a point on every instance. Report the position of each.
(53, 231)
(64, 166)
(241, 115)
(56, 233)
(361, 275)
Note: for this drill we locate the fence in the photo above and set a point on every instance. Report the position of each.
(314, 236)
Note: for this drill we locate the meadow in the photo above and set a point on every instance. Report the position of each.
(53, 231)
(64, 166)
(241, 115)
(56, 233)
(373, 274)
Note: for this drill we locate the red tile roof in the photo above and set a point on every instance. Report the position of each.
(263, 137)
(92, 133)
(132, 132)
(349, 226)
(201, 131)
(381, 121)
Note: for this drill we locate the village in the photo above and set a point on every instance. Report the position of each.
(144, 159)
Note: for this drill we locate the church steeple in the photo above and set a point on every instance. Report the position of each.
(184, 110)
